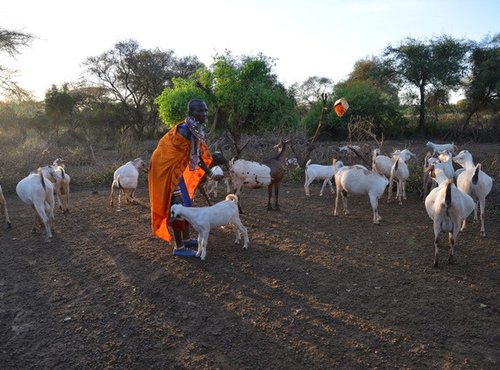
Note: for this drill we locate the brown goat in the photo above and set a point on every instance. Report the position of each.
(278, 170)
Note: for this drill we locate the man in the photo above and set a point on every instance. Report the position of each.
(177, 165)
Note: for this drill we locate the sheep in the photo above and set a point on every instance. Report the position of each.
(448, 207)
(320, 172)
(400, 172)
(62, 186)
(474, 182)
(439, 148)
(358, 179)
(3, 203)
(251, 174)
(205, 218)
(125, 178)
(38, 192)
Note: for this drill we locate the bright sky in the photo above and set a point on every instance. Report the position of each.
(307, 37)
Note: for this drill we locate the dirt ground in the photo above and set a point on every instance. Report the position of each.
(314, 291)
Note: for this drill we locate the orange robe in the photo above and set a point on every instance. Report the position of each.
(169, 162)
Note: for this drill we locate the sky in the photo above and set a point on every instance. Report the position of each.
(305, 37)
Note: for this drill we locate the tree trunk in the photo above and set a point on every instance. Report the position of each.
(421, 110)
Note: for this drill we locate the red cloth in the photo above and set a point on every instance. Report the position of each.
(169, 161)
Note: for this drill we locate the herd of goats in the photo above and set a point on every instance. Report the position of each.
(450, 195)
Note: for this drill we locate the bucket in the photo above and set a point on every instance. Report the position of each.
(341, 106)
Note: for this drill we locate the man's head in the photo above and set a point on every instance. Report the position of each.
(198, 109)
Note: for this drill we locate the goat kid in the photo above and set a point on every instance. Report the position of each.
(448, 207)
(359, 180)
(3, 203)
(38, 192)
(205, 218)
(400, 172)
(320, 172)
(125, 179)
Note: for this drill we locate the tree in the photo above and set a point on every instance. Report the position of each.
(243, 93)
(134, 77)
(483, 85)
(10, 43)
(439, 63)
(310, 91)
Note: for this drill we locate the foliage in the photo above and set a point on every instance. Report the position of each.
(438, 63)
(134, 77)
(173, 102)
(483, 85)
(10, 43)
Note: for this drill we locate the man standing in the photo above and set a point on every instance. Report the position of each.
(177, 165)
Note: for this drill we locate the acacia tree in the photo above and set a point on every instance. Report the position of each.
(134, 77)
(10, 43)
(483, 85)
(438, 63)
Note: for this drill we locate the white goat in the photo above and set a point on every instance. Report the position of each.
(321, 172)
(62, 186)
(359, 180)
(439, 148)
(474, 182)
(448, 207)
(3, 203)
(38, 192)
(205, 218)
(446, 157)
(384, 166)
(212, 183)
(428, 182)
(126, 178)
(248, 174)
(400, 172)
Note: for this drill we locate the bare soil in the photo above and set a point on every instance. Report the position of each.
(314, 291)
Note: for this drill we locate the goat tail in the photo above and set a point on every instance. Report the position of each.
(475, 178)
(232, 198)
(447, 198)
(308, 163)
(118, 182)
(394, 168)
(62, 172)
(39, 172)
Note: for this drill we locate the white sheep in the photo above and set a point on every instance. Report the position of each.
(439, 148)
(3, 203)
(359, 180)
(473, 181)
(205, 218)
(448, 207)
(320, 172)
(126, 178)
(400, 172)
(38, 192)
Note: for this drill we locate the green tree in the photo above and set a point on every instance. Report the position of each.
(438, 63)
(243, 93)
(309, 92)
(483, 85)
(10, 43)
(134, 77)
